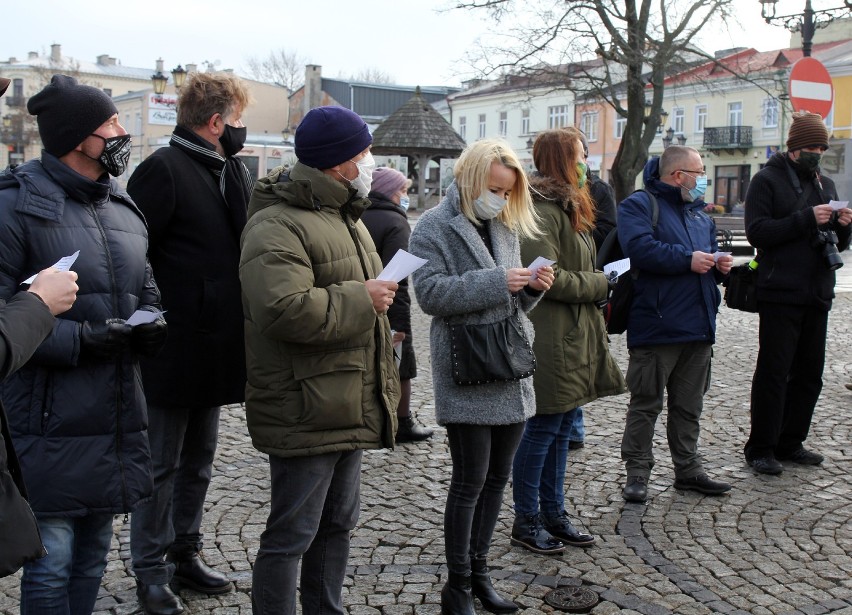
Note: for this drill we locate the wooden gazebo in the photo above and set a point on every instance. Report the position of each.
(419, 132)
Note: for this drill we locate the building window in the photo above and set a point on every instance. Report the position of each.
(557, 116)
(108, 92)
(678, 121)
(525, 121)
(17, 88)
(700, 117)
(770, 113)
(735, 114)
(481, 125)
(589, 126)
(504, 123)
(463, 127)
(620, 125)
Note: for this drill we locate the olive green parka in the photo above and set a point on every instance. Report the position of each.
(321, 374)
(574, 365)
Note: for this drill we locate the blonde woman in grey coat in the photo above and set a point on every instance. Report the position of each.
(474, 274)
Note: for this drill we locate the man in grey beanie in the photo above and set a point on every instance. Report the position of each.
(76, 409)
(322, 383)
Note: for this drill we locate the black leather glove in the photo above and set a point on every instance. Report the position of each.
(104, 340)
(149, 339)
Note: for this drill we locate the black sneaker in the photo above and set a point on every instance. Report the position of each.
(766, 465)
(803, 457)
(635, 489)
(702, 484)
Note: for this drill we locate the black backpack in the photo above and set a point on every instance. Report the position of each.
(617, 308)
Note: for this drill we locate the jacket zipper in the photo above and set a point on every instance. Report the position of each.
(118, 370)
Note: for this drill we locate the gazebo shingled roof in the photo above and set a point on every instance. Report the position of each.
(416, 129)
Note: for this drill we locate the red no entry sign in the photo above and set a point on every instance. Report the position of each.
(810, 87)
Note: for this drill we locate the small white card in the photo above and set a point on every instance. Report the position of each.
(537, 264)
(835, 205)
(402, 265)
(63, 264)
(618, 267)
(716, 255)
(142, 317)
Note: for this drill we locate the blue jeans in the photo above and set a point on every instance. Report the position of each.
(539, 468)
(482, 462)
(578, 427)
(183, 446)
(315, 506)
(66, 581)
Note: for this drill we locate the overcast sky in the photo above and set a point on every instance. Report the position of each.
(409, 40)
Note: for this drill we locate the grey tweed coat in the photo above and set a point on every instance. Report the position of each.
(463, 283)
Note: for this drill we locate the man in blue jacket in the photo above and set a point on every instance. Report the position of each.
(671, 326)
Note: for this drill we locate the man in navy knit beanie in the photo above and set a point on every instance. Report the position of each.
(322, 381)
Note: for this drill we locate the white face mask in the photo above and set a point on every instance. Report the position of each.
(362, 183)
(404, 202)
(488, 205)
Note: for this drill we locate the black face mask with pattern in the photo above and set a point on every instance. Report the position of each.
(115, 155)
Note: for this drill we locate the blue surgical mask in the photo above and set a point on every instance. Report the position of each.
(700, 188)
(488, 206)
(404, 202)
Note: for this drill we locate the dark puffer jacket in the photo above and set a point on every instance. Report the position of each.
(792, 268)
(79, 426)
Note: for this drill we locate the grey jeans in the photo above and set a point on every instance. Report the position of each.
(682, 371)
(183, 446)
(315, 506)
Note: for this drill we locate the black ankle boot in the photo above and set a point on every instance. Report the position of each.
(158, 599)
(456, 596)
(192, 572)
(529, 533)
(410, 430)
(480, 586)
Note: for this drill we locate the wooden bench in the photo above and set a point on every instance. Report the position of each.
(729, 228)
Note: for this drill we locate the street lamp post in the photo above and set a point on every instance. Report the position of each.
(807, 22)
(16, 136)
(670, 136)
(159, 80)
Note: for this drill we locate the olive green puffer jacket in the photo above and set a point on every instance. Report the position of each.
(321, 375)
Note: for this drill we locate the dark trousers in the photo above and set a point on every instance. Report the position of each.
(482, 462)
(314, 508)
(787, 378)
(183, 445)
(682, 371)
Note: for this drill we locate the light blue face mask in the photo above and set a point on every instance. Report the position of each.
(488, 205)
(404, 201)
(700, 188)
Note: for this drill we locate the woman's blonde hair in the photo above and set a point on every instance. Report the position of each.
(472, 174)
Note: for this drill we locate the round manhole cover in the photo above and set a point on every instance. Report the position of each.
(572, 599)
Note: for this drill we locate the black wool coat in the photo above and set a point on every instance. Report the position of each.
(388, 226)
(24, 323)
(194, 250)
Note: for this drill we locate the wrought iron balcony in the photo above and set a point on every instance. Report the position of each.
(727, 137)
(15, 101)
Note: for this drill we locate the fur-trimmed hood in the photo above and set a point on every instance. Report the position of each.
(551, 189)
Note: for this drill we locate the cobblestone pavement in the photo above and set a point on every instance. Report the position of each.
(773, 545)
